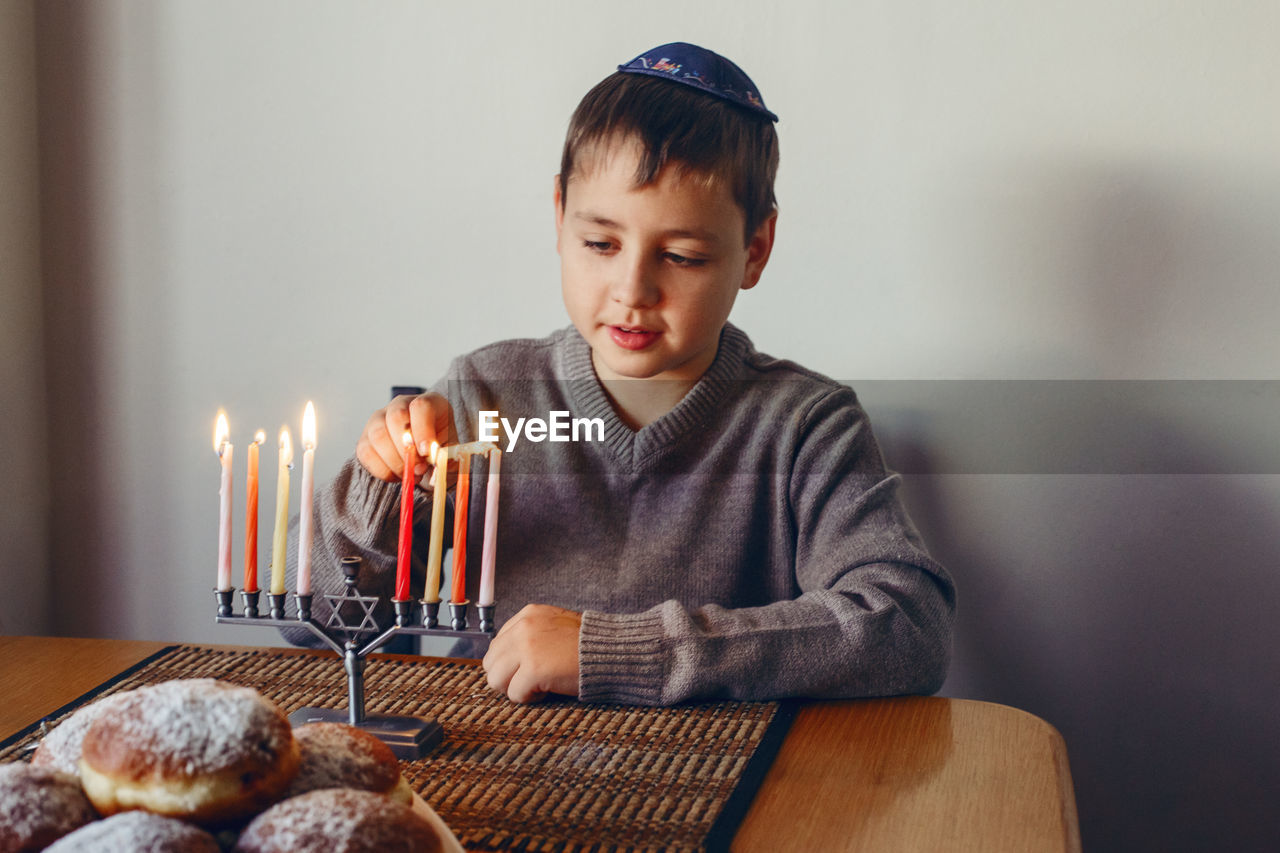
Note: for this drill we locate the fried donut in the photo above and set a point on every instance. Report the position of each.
(129, 832)
(196, 749)
(335, 755)
(339, 820)
(39, 805)
(60, 749)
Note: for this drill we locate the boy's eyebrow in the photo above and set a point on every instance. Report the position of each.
(605, 222)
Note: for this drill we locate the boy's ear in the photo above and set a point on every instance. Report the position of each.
(559, 202)
(758, 251)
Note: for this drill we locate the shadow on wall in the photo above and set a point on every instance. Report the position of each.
(1115, 543)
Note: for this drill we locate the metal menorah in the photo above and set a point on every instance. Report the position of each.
(408, 736)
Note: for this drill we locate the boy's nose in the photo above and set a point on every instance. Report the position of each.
(634, 285)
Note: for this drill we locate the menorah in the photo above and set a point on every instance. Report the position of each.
(408, 736)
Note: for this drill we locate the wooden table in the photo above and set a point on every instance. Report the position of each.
(915, 773)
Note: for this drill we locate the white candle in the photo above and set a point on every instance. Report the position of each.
(222, 445)
(308, 489)
(490, 554)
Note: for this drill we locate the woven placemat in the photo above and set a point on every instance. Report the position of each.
(554, 776)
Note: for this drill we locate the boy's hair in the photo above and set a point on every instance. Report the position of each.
(679, 125)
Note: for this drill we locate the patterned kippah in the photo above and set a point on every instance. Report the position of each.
(700, 68)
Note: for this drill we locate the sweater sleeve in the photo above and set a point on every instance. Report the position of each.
(872, 615)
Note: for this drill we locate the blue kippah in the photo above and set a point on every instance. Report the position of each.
(700, 68)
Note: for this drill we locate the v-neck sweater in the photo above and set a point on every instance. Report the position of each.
(748, 544)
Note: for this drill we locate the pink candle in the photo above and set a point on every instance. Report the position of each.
(305, 521)
(251, 516)
(404, 555)
(461, 497)
(490, 554)
(222, 445)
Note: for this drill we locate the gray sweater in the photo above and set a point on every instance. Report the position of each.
(748, 544)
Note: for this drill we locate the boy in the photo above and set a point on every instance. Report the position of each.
(725, 527)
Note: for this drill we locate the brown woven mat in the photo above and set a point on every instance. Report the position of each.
(555, 776)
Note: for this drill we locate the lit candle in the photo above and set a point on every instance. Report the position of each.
(440, 484)
(222, 446)
(404, 554)
(251, 516)
(461, 498)
(282, 513)
(490, 554)
(308, 488)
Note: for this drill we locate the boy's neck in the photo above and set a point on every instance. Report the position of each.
(640, 402)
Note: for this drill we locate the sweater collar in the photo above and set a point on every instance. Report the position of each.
(693, 410)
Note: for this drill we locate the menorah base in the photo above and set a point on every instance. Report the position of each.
(409, 737)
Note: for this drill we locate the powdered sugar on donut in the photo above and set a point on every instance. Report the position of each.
(61, 747)
(39, 805)
(340, 756)
(131, 832)
(188, 728)
(338, 821)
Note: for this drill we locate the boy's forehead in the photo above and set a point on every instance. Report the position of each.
(690, 204)
(618, 159)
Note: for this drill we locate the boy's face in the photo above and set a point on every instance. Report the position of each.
(649, 274)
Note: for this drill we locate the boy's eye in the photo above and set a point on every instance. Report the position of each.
(683, 260)
(597, 245)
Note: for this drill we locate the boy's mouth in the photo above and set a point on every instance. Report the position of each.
(632, 338)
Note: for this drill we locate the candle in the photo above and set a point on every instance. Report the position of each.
(222, 446)
(305, 522)
(251, 516)
(282, 513)
(404, 554)
(440, 484)
(490, 554)
(461, 498)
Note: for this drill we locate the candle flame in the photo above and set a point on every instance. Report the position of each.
(259, 437)
(309, 427)
(221, 432)
(406, 439)
(286, 448)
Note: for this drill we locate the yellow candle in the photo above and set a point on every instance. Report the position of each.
(282, 513)
(441, 486)
(308, 491)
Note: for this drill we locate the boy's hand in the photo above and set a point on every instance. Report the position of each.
(380, 448)
(535, 653)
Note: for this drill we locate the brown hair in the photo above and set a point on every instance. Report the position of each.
(679, 125)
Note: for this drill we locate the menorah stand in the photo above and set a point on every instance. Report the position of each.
(408, 736)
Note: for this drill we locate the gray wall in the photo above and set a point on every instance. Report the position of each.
(24, 508)
(1038, 240)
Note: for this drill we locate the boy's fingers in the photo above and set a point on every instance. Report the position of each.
(371, 461)
(424, 414)
(384, 435)
(523, 689)
(499, 668)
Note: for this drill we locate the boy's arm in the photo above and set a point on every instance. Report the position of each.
(873, 617)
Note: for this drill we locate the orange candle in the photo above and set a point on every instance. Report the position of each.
(461, 497)
(404, 555)
(251, 516)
